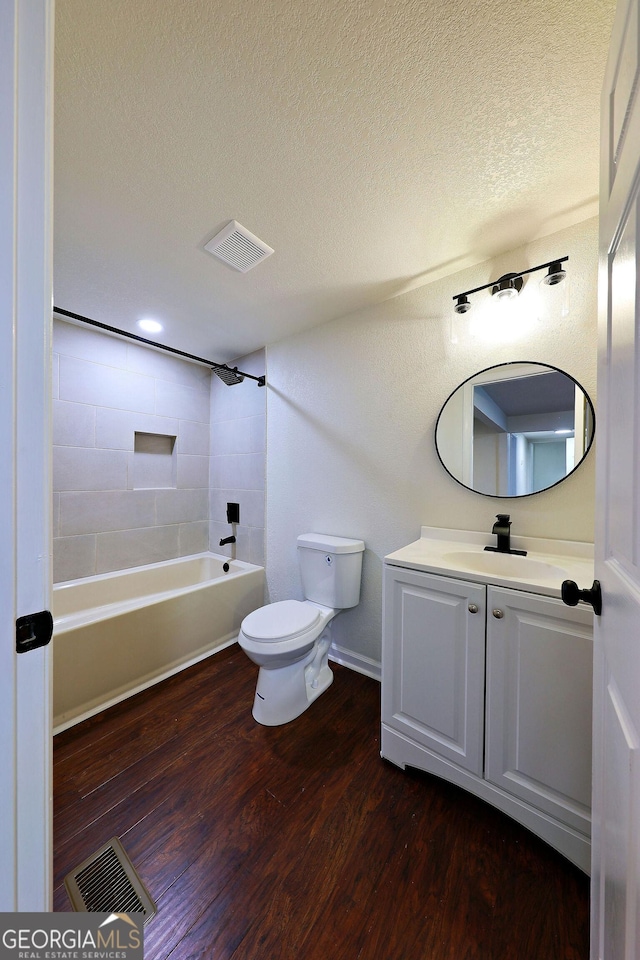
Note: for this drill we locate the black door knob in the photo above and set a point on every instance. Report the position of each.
(572, 594)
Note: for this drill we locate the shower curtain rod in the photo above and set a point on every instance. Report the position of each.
(161, 346)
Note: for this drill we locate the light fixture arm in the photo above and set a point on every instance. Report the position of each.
(521, 273)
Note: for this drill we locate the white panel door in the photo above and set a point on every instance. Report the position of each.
(616, 777)
(26, 74)
(433, 663)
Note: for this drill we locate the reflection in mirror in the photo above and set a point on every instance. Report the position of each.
(515, 429)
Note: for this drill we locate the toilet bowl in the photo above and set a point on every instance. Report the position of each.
(290, 639)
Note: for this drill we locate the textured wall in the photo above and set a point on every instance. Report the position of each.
(352, 407)
(238, 441)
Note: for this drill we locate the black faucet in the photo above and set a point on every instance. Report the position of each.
(227, 540)
(502, 530)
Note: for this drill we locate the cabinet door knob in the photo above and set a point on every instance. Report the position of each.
(473, 608)
(498, 614)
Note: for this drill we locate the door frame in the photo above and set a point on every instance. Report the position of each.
(26, 149)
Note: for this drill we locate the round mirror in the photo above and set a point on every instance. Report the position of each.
(515, 429)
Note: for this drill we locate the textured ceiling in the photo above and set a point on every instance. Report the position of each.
(373, 145)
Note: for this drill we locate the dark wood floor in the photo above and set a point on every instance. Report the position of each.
(298, 842)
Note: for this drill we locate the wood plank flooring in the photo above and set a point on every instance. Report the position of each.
(298, 842)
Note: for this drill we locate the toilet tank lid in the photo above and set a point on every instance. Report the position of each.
(329, 544)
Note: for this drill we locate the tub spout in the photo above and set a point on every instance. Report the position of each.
(227, 540)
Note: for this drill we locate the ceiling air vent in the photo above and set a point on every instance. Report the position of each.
(238, 248)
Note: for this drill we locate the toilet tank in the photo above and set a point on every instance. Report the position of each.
(331, 569)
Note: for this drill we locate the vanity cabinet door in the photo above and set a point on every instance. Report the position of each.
(539, 669)
(433, 663)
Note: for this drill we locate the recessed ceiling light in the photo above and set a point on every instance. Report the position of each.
(150, 326)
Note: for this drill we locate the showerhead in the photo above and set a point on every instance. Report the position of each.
(228, 375)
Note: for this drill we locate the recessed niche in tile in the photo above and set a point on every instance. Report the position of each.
(154, 461)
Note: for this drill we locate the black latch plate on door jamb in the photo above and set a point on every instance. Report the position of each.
(34, 630)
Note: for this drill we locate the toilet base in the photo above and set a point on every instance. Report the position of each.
(283, 693)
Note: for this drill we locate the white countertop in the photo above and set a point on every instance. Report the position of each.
(461, 553)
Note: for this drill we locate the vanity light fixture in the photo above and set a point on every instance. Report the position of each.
(509, 286)
(556, 274)
(462, 304)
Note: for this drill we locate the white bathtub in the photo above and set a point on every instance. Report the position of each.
(117, 633)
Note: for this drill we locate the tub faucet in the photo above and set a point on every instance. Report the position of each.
(502, 530)
(233, 517)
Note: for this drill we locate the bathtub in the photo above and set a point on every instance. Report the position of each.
(117, 633)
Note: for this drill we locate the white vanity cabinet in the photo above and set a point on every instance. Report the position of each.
(538, 707)
(433, 670)
(489, 687)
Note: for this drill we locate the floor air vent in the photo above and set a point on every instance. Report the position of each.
(238, 248)
(106, 882)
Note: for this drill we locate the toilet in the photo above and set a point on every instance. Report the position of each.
(289, 640)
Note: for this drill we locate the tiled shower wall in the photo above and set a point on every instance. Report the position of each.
(105, 391)
(238, 449)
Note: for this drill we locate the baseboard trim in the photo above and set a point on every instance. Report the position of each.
(356, 662)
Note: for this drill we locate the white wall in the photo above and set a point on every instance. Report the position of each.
(351, 412)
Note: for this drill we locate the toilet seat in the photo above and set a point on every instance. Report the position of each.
(280, 621)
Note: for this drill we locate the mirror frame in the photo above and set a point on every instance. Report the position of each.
(508, 363)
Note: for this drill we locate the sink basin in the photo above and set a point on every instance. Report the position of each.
(506, 565)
